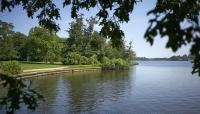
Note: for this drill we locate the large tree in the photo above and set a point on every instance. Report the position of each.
(87, 42)
(42, 45)
(19, 41)
(7, 51)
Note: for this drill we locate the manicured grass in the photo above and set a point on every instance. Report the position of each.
(81, 66)
(28, 66)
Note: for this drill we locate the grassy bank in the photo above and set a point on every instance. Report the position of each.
(28, 66)
(43, 65)
(35, 67)
(40, 65)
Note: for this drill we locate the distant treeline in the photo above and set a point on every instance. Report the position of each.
(83, 46)
(172, 58)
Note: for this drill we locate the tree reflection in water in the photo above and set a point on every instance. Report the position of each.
(80, 92)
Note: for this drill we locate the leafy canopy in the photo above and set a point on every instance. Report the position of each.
(11, 68)
(178, 20)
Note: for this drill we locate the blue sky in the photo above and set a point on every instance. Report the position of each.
(134, 29)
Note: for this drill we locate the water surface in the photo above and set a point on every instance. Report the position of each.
(150, 87)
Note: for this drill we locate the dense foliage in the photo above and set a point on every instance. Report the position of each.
(177, 20)
(18, 93)
(73, 58)
(11, 68)
(42, 45)
(110, 13)
(114, 64)
(93, 60)
(83, 46)
(87, 46)
(39, 45)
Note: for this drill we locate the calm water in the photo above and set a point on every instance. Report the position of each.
(151, 87)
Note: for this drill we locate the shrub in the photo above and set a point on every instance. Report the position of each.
(107, 63)
(120, 64)
(11, 68)
(74, 59)
(83, 60)
(70, 59)
(93, 60)
(114, 64)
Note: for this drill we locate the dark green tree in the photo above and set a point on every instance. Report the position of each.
(6, 33)
(170, 18)
(42, 45)
(11, 43)
(19, 42)
(8, 53)
(6, 30)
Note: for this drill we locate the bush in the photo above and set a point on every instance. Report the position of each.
(120, 64)
(107, 63)
(70, 59)
(93, 60)
(114, 64)
(74, 59)
(83, 60)
(11, 68)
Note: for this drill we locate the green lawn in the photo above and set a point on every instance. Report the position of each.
(29, 66)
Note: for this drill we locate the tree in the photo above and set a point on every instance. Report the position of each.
(107, 64)
(54, 50)
(19, 41)
(33, 49)
(8, 53)
(97, 41)
(169, 17)
(73, 58)
(17, 93)
(42, 45)
(129, 54)
(83, 39)
(11, 68)
(93, 60)
(6, 32)
(11, 43)
(111, 28)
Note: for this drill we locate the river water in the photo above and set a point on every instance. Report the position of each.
(150, 87)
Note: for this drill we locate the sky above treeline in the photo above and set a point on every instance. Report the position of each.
(134, 30)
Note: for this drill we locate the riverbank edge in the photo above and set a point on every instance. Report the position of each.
(52, 71)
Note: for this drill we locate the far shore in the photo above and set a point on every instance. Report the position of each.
(162, 60)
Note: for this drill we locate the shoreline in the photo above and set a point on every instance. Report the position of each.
(52, 71)
(32, 73)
